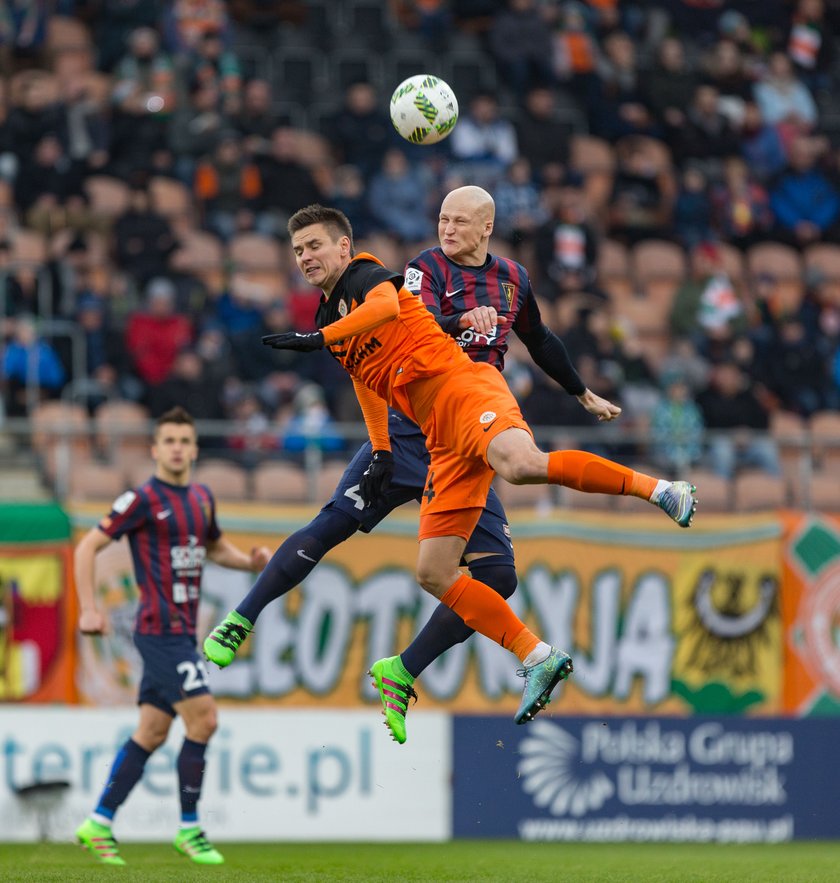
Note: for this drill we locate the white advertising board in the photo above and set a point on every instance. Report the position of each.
(271, 775)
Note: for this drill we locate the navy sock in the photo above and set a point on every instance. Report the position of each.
(190, 776)
(445, 628)
(126, 772)
(296, 558)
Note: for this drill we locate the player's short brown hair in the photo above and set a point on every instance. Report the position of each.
(178, 415)
(332, 218)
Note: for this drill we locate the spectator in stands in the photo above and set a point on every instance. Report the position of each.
(541, 137)
(155, 335)
(729, 403)
(34, 116)
(287, 181)
(251, 435)
(11, 293)
(641, 204)
(143, 239)
(432, 18)
(520, 42)
(228, 188)
(310, 424)
(361, 132)
(796, 369)
(782, 98)
(144, 98)
(706, 135)
(349, 196)
(519, 209)
(256, 119)
(48, 188)
(682, 358)
(761, 145)
(676, 426)
(23, 31)
(566, 245)
(741, 206)
(83, 128)
(196, 128)
(616, 102)
(399, 198)
(186, 385)
(116, 21)
(186, 21)
(728, 74)
(811, 44)
(669, 86)
(574, 49)
(24, 351)
(211, 63)
(693, 208)
(103, 344)
(805, 203)
(706, 304)
(483, 143)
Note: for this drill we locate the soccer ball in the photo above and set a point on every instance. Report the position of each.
(424, 109)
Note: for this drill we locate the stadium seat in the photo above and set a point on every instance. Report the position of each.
(359, 66)
(370, 18)
(50, 421)
(276, 482)
(825, 437)
(121, 430)
(589, 154)
(97, 481)
(406, 61)
(28, 248)
(824, 491)
(789, 431)
(525, 496)
(470, 74)
(755, 491)
(253, 251)
(733, 262)
(329, 475)
(824, 258)
(783, 263)
(659, 267)
(298, 74)
(65, 33)
(200, 254)
(108, 197)
(714, 493)
(171, 199)
(225, 479)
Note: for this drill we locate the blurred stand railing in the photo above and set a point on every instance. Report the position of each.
(57, 451)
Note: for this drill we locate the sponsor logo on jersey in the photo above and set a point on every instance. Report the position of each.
(362, 353)
(188, 560)
(413, 280)
(453, 292)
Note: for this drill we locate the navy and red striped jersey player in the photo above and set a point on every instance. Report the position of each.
(171, 528)
(478, 299)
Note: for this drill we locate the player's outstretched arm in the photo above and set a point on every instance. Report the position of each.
(223, 552)
(603, 409)
(91, 619)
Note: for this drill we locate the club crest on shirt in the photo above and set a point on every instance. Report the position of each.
(487, 417)
(510, 290)
(342, 308)
(413, 280)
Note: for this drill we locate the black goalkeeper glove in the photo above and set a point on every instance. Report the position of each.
(292, 340)
(377, 477)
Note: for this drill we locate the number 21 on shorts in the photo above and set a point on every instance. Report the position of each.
(193, 673)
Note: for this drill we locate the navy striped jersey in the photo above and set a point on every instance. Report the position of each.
(449, 289)
(168, 528)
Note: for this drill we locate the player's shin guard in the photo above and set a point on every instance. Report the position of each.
(445, 628)
(296, 558)
(592, 474)
(483, 610)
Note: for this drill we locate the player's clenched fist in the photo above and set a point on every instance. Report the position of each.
(294, 340)
(92, 622)
(377, 477)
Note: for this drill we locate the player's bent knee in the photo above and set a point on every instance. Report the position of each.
(433, 579)
(203, 728)
(500, 577)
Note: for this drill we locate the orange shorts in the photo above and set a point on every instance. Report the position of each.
(460, 416)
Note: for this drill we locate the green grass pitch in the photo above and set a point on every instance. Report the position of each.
(503, 861)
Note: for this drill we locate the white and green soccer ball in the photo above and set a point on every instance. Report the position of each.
(424, 109)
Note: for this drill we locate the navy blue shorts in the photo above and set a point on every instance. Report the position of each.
(411, 463)
(172, 670)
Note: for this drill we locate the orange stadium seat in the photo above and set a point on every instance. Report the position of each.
(108, 197)
(49, 420)
(97, 481)
(201, 254)
(755, 491)
(121, 430)
(253, 251)
(613, 265)
(276, 482)
(824, 257)
(789, 431)
(225, 479)
(824, 491)
(825, 436)
(785, 264)
(714, 493)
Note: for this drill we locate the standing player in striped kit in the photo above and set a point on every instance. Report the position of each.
(477, 298)
(171, 528)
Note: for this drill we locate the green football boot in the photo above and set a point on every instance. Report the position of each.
(677, 501)
(221, 644)
(540, 680)
(99, 841)
(395, 688)
(193, 843)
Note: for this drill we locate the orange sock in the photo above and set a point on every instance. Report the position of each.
(592, 474)
(487, 612)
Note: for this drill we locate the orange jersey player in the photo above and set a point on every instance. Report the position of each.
(398, 355)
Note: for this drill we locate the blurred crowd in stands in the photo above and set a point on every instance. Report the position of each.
(669, 172)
